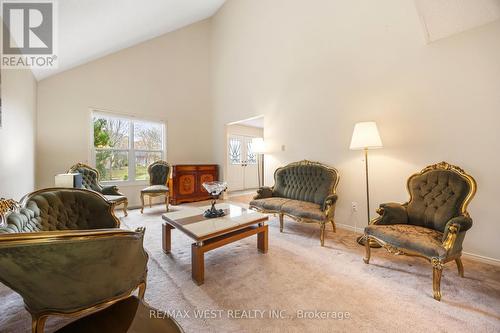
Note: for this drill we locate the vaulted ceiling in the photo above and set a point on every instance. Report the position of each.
(90, 29)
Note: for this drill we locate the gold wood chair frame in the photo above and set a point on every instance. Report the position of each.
(152, 194)
(79, 165)
(330, 206)
(452, 232)
(39, 318)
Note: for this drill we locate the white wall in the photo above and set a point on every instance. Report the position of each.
(17, 134)
(245, 130)
(165, 78)
(314, 68)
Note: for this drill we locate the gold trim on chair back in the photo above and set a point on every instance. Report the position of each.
(453, 168)
(161, 162)
(7, 206)
(85, 166)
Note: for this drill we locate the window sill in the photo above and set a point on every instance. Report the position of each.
(126, 183)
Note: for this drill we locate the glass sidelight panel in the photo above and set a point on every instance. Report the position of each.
(234, 151)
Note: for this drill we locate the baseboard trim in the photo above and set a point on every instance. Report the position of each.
(483, 259)
(468, 255)
(350, 227)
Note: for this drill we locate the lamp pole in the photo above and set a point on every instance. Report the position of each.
(367, 186)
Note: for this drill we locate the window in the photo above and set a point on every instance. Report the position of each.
(235, 151)
(123, 148)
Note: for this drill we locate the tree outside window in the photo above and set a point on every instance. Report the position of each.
(124, 148)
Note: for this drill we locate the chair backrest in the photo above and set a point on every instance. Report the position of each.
(306, 181)
(90, 176)
(437, 194)
(159, 172)
(61, 209)
(61, 272)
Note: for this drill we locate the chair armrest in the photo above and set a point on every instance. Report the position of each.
(110, 190)
(455, 226)
(391, 213)
(330, 200)
(264, 192)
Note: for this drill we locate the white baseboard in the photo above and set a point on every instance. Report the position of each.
(486, 260)
(472, 256)
(351, 228)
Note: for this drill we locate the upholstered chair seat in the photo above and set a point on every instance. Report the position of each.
(159, 174)
(303, 209)
(116, 199)
(411, 238)
(91, 181)
(155, 189)
(432, 224)
(270, 204)
(304, 191)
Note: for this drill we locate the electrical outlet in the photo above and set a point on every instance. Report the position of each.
(283, 148)
(354, 206)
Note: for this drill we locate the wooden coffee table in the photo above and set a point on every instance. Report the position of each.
(209, 234)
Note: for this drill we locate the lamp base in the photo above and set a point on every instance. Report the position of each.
(361, 240)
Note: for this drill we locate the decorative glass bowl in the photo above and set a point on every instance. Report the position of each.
(215, 189)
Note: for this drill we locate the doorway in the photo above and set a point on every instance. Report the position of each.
(242, 163)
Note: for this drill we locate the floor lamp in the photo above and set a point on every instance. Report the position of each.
(258, 148)
(366, 136)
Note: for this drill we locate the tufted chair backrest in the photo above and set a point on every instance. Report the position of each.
(305, 181)
(438, 193)
(159, 172)
(90, 176)
(61, 209)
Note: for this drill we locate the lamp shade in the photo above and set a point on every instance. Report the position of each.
(258, 145)
(365, 136)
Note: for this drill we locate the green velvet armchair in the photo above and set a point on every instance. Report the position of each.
(91, 181)
(304, 191)
(432, 224)
(59, 269)
(159, 173)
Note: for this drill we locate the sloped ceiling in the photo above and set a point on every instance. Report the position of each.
(91, 29)
(444, 18)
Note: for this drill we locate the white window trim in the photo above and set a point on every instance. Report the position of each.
(131, 150)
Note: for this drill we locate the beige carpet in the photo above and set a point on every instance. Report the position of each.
(392, 294)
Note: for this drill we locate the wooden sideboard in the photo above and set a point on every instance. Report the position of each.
(187, 179)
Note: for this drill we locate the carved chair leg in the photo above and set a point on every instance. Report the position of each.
(38, 324)
(460, 267)
(333, 225)
(166, 201)
(125, 206)
(322, 233)
(142, 201)
(281, 222)
(366, 259)
(437, 270)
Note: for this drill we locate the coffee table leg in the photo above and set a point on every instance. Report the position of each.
(197, 264)
(167, 239)
(262, 240)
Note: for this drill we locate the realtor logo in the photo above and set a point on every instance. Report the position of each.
(28, 34)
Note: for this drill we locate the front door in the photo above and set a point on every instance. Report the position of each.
(242, 172)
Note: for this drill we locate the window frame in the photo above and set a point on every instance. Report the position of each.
(131, 149)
